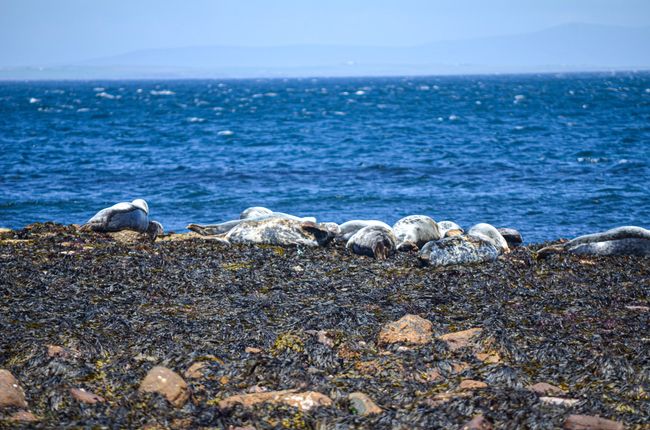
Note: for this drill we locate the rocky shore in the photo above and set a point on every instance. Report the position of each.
(108, 331)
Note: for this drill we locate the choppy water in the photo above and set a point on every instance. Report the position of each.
(554, 156)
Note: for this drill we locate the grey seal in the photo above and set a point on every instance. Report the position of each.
(349, 228)
(275, 231)
(512, 237)
(449, 228)
(466, 249)
(414, 231)
(125, 216)
(258, 212)
(254, 213)
(626, 240)
(491, 234)
(374, 241)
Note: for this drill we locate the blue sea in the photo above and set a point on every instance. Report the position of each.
(550, 155)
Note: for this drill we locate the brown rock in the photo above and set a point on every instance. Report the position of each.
(84, 396)
(479, 422)
(168, 383)
(558, 401)
(196, 370)
(460, 339)
(23, 416)
(323, 337)
(470, 384)
(545, 389)
(588, 422)
(11, 394)
(491, 357)
(252, 350)
(363, 405)
(301, 400)
(459, 367)
(409, 328)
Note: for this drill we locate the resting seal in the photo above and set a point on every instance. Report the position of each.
(374, 241)
(349, 228)
(491, 234)
(465, 249)
(414, 231)
(254, 213)
(627, 240)
(449, 228)
(125, 216)
(512, 236)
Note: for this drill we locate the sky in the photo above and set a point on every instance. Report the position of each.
(51, 32)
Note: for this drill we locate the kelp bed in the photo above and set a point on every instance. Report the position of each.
(578, 323)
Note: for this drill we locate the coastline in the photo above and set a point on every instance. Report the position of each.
(309, 319)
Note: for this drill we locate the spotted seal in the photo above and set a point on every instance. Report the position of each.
(258, 212)
(465, 249)
(626, 240)
(253, 213)
(449, 228)
(125, 216)
(349, 228)
(414, 231)
(491, 234)
(374, 241)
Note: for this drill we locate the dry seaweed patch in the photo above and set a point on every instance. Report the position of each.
(116, 309)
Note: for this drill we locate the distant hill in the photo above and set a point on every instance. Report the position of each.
(570, 47)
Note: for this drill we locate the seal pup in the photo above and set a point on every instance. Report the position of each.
(125, 216)
(626, 240)
(349, 228)
(374, 241)
(449, 228)
(512, 237)
(414, 231)
(253, 213)
(465, 249)
(491, 234)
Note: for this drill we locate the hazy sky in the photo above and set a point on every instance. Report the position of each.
(40, 32)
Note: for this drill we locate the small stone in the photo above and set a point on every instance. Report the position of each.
(11, 394)
(479, 422)
(301, 400)
(638, 308)
(488, 357)
(56, 351)
(168, 383)
(84, 396)
(558, 401)
(588, 422)
(363, 405)
(23, 416)
(441, 398)
(470, 384)
(459, 367)
(409, 328)
(252, 350)
(298, 269)
(545, 389)
(323, 337)
(196, 370)
(460, 339)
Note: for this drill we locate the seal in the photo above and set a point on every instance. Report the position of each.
(258, 212)
(125, 216)
(449, 228)
(626, 240)
(374, 241)
(414, 231)
(491, 234)
(254, 213)
(349, 228)
(275, 231)
(512, 237)
(465, 249)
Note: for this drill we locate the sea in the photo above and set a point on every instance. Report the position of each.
(552, 155)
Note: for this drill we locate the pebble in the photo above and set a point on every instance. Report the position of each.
(363, 405)
(558, 401)
(544, 389)
(470, 384)
(11, 394)
(460, 339)
(479, 422)
(323, 337)
(196, 370)
(168, 383)
(588, 422)
(488, 357)
(301, 400)
(23, 416)
(409, 328)
(84, 396)
(252, 350)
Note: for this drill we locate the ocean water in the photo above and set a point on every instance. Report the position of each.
(551, 155)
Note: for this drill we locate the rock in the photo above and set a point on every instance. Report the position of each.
(638, 308)
(56, 351)
(460, 339)
(558, 401)
(168, 383)
(11, 394)
(488, 357)
(23, 416)
(470, 384)
(512, 236)
(84, 396)
(252, 350)
(363, 405)
(545, 389)
(409, 328)
(441, 398)
(196, 370)
(479, 422)
(588, 422)
(324, 338)
(301, 400)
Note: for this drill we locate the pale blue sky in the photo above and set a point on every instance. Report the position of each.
(35, 32)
